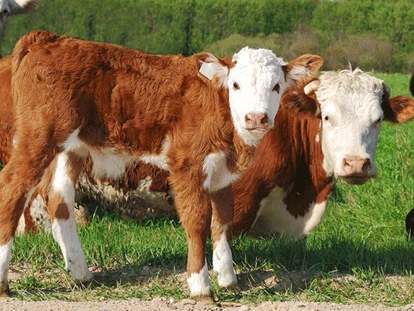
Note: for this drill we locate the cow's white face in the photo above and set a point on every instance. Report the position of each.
(12, 7)
(256, 84)
(351, 120)
(4, 13)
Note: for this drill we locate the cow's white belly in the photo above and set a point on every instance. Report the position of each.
(273, 217)
(109, 163)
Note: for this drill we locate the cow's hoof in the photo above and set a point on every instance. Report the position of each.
(228, 281)
(205, 299)
(4, 290)
(232, 286)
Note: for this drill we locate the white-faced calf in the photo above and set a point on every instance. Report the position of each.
(14, 7)
(198, 117)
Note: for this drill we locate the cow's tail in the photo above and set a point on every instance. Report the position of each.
(23, 45)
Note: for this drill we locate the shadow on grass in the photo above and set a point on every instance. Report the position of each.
(257, 260)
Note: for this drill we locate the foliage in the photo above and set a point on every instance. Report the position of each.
(375, 35)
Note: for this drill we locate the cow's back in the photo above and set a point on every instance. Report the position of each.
(104, 98)
(6, 110)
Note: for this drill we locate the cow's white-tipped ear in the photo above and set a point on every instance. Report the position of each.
(312, 87)
(302, 67)
(214, 69)
(24, 6)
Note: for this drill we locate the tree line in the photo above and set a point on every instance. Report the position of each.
(374, 34)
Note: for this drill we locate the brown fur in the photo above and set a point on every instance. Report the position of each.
(6, 111)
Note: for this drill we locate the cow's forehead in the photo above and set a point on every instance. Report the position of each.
(350, 91)
(257, 64)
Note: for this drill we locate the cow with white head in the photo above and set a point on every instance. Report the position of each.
(336, 140)
(14, 7)
(351, 109)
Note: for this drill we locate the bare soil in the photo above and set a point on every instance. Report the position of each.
(169, 304)
(164, 304)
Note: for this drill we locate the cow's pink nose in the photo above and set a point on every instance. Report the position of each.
(356, 165)
(256, 121)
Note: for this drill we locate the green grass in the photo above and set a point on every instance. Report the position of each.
(359, 254)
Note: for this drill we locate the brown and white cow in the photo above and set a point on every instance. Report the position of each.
(14, 7)
(198, 117)
(298, 161)
(289, 192)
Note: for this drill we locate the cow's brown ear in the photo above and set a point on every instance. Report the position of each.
(302, 67)
(399, 109)
(302, 100)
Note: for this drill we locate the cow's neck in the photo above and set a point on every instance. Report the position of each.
(242, 155)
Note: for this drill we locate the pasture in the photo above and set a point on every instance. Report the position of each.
(359, 254)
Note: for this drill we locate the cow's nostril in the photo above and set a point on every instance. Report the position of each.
(366, 167)
(264, 119)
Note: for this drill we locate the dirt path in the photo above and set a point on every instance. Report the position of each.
(162, 304)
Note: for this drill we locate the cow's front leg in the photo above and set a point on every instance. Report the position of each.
(222, 203)
(194, 208)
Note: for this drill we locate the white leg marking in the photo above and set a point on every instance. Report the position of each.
(199, 283)
(64, 231)
(5, 252)
(223, 262)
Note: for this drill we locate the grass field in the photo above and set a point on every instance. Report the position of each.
(359, 254)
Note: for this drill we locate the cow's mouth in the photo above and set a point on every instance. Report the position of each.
(356, 179)
(258, 129)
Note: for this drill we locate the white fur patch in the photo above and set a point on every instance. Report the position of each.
(64, 231)
(5, 252)
(107, 163)
(199, 283)
(218, 175)
(223, 262)
(273, 217)
(159, 160)
(73, 142)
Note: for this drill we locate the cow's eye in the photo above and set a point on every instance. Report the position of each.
(326, 119)
(236, 86)
(276, 88)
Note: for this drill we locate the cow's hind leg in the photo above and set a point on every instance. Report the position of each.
(58, 190)
(222, 202)
(18, 180)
